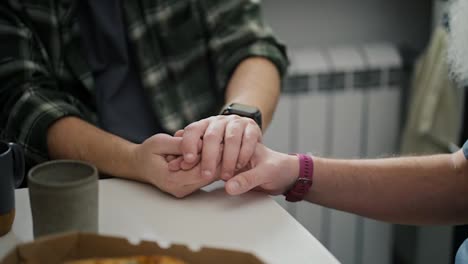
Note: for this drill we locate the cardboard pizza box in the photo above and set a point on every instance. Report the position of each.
(72, 246)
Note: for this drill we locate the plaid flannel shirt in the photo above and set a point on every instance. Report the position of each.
(186, 51)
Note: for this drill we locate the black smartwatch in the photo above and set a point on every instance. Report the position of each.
(245, 111)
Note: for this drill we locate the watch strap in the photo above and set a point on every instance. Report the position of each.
(304, 182)
(231, 109)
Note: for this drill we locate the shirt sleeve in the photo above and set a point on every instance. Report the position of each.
(30, 100)
(237, 31)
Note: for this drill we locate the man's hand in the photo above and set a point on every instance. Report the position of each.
(237, 135)
(268, 171)
(150, 164)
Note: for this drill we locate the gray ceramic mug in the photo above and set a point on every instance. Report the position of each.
(11, 176)
(64, 197)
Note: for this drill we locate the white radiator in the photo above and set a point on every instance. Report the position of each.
(342, 102)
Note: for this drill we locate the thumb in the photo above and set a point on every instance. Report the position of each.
(244, 182)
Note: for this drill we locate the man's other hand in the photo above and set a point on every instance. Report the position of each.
(150, 164)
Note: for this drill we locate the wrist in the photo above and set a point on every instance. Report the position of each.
(243, 110)
(130, 168)
(292, 170)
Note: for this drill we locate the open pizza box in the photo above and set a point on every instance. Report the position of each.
(65, 247)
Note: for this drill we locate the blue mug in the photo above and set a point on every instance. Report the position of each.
(11, 176)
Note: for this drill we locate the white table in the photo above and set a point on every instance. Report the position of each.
(253, 222)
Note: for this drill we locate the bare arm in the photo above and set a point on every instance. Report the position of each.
(255, 82)
(73, 138)
(411, 190)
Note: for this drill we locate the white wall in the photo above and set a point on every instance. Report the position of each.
(318, 23)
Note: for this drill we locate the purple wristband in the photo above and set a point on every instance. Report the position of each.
(304, 181)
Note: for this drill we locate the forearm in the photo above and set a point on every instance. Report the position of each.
(73, 138)
(256, 81)
(418, 190)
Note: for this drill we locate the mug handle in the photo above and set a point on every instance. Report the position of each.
(18, 160)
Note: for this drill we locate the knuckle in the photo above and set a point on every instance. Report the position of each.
(250, 121)
(156, 139)
(191, 127)
(236, 124)
(211, 135)
(250, 137)
(233, 118)
(221, 120)
(231, 137)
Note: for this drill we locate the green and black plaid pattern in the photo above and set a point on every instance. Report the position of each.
(186, 51)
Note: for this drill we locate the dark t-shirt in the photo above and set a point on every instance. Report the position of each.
(122, 107)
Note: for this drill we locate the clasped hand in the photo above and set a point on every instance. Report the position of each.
(219, 147)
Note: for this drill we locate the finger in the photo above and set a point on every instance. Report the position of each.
(175, 164)
(257, 189)
(181, 183)
(232, 145)
(170, 158)
(179, 133)
(191, 188)
(249, 142)
(220, 155)
(187, 177)
(164, 144)
(188, 166)
(186, 182)
(243, 182)
(201, 183)
(191, 137)
(199, 146)
(212, 139)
